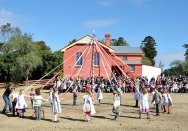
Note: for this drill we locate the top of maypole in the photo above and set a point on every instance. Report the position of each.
(94, 36)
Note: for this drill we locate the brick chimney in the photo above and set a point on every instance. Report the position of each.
(107, 39)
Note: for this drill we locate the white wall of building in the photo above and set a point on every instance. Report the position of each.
(151, 71)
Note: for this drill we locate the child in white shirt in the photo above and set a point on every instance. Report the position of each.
(116, 104)
(37, 101)
(13, 98)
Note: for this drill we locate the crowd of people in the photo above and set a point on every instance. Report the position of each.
(158, 90)
(107, 85)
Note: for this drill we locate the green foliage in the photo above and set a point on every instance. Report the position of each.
(7, 32)
(42, 47)
(23, 44)
(21, 58)
(119, 42)
(178, 67)
(6, 63)
(71, 42)
(24, 65)
(52, 60)
(74, 40)
(186, 52)
(149, 48)
(146, 61)
(49, 62)
(18, 52)
(185, 68)
(176, 63)
(28, 58)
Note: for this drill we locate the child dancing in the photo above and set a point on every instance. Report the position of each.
(37, 101)
(13, 97)
(157, 98)
(56, 105)
(116, 104)
(21, 103)
(88, 107)
(144, 105)
(167, 101)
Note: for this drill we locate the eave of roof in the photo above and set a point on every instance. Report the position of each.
(85, 40)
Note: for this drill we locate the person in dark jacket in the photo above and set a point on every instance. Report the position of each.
(6, 98)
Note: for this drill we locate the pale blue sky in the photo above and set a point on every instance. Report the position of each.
(59, 21)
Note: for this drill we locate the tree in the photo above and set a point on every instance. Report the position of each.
(49, 62)
(176, 68)
(41, 46)
(179, 67)
(22, 59)
(176, 63)
(24, 66)
(119, 42)
(7, 62)
(7, 32)
(146, 61)
(8, 55)
(74, 40)
(185, 68)
(149, 47)
(186, 52)
(52, 60)
(28, 58)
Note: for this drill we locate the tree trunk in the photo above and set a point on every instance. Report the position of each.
(27, 82)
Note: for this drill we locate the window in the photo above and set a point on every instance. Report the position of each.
(132, 68)
(96, 59)
(124, 58)
(78, 58)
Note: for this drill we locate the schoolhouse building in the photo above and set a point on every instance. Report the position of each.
(88, 57)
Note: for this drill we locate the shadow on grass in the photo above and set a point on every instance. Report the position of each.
(132, 117)
(102, 117)
(67, 104)
(28, 117)
(128, 106)
(33, 118)
(103, 103)
(49, 105)
(73, 119)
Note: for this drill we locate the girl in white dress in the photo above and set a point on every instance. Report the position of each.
(56, 105)
(144, 104)
(99, 94)
(116, 104)
(88, 107)
(167, 101)
(21, 103)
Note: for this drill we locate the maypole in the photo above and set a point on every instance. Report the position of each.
(93, 55)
